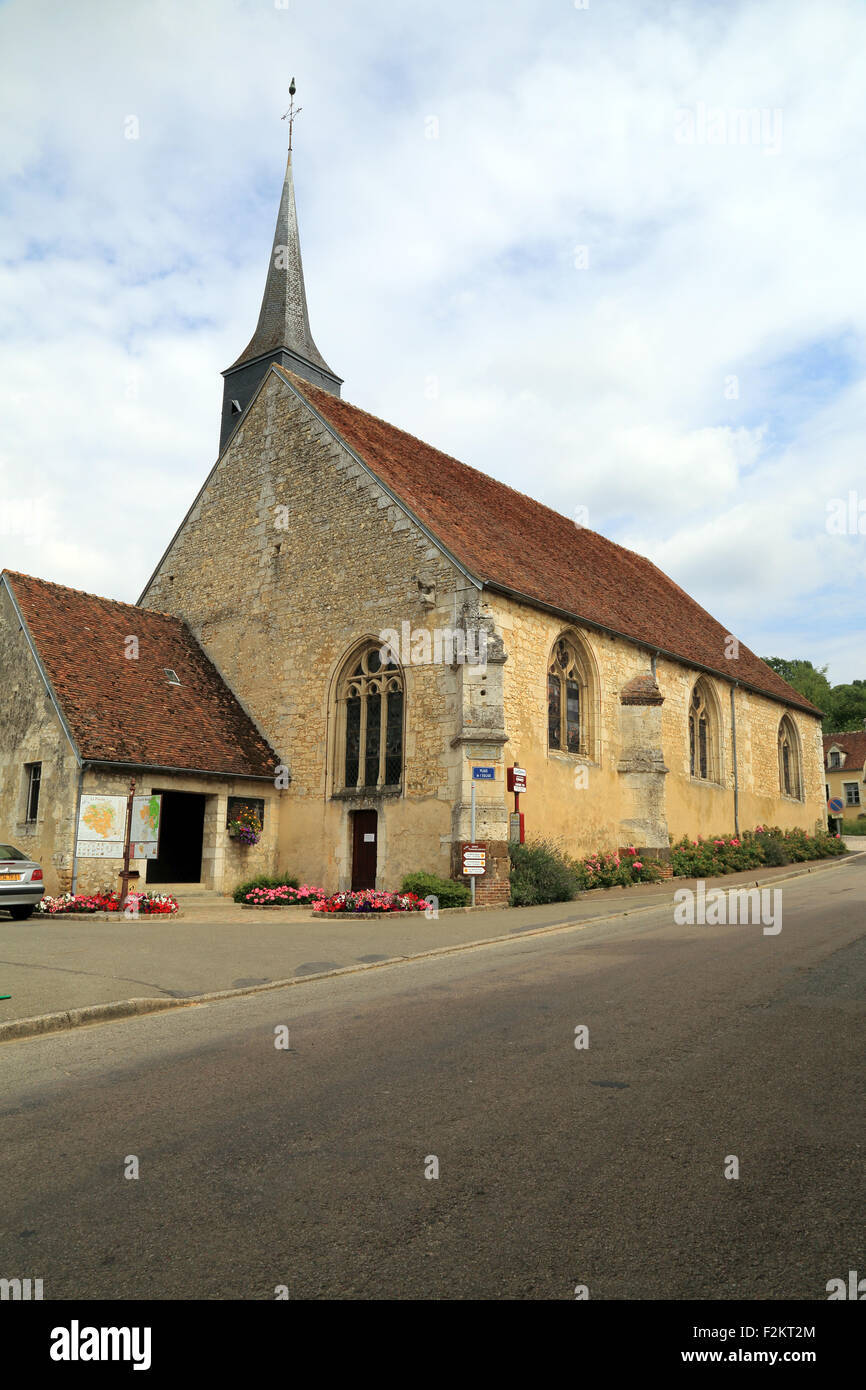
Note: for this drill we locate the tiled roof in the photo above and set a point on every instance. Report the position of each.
(124, 709)
(853, 745)
(512, 542)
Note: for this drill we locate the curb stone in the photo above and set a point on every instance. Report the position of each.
(103, 916)
(44, 1024)
(77, 1018)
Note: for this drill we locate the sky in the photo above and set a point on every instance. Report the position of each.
(610, 253)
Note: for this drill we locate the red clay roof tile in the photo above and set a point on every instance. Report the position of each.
(124, 710)
(512, 542)
(852, 744)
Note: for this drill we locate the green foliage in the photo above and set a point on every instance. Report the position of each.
(447, 890)
(263, 881)
(542, 873)
(765, 845)
(805, 678)
(843, 706)
(607, 870)
(847, 708)
(854, 827)
(774, 851)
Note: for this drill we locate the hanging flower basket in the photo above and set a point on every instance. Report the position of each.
(246, 828)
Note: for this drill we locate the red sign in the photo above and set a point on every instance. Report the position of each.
(474, 859)
(517, 779)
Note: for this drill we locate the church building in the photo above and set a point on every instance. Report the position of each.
(348, 632)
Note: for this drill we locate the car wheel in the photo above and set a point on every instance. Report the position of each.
(20, 914)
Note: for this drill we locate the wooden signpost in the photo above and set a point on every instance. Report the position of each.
(124, 877)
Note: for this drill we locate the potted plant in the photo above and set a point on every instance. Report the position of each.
(246, 827)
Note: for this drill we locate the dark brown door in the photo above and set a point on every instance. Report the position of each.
(364, 837)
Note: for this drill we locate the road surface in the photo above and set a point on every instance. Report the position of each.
(604, 1166)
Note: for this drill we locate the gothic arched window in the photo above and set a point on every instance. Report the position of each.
(371, 702)
(568, 702)
(790, 778)
(704, 760)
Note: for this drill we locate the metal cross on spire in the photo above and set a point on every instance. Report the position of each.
(291, 113)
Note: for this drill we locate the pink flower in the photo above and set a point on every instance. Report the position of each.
(637, 865)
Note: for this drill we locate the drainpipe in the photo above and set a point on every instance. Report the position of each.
(75, 830)
(734, 754)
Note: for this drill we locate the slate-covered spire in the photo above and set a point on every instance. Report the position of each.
(283, 331)
(283, 318)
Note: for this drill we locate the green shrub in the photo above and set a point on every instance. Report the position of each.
(766, 845)
(449, 892)
(263, 881)
(542, 873)
(775, 851)
(609, 870)
(854, 827)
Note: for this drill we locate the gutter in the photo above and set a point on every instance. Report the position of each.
(734, 756)
(189, 771)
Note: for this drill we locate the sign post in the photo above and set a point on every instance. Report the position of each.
(479, 774)
(472, 835)
(124, 877)
(835, 808)
(516, 784)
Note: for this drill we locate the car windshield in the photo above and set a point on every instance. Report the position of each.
(10, 852)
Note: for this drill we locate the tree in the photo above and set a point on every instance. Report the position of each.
(848, 707)
(805, 678)
(843, 706)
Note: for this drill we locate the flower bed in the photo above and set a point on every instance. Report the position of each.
(617, 870)
(284, 895)
(766, 845)
(137, 904)
(370, 900)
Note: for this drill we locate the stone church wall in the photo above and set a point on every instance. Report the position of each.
(619, 794)
(292, 555)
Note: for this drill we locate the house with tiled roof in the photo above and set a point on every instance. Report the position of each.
(98, 694)
(402, 630)
(845, 771)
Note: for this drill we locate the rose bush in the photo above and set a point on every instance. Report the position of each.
(766, 845)
(612, 870)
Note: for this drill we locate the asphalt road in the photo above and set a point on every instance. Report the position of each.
(261, 1167)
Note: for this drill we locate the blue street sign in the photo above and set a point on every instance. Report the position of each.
(483, 774)
(835, 806)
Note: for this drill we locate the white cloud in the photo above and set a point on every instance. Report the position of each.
(132, 269)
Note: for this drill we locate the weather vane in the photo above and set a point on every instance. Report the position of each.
(291, 113)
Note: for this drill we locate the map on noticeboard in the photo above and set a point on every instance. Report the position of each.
(102, 827)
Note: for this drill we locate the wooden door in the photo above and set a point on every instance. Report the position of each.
(365, 836)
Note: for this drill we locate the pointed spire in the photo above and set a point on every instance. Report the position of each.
(283, 331)
(284, 321)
